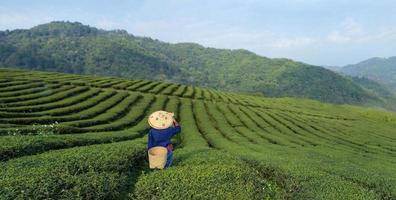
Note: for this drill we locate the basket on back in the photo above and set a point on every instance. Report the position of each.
(157, 157)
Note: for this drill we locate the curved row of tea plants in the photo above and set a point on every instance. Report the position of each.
(290, 148)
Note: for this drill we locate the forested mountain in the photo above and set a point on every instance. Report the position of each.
(386, 95)
(76, 48)
(382, 70)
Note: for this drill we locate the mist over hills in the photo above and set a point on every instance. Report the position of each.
(80, 49)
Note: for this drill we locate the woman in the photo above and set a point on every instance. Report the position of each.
(162, 131)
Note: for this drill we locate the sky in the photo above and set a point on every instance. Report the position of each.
(318, 32)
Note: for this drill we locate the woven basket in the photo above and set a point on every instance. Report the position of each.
(160, 119)
(157, 157)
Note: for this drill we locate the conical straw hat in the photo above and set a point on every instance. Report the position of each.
(160, 119)
(157, 157)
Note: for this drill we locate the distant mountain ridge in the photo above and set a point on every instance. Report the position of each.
(382, 70)
(77, 48)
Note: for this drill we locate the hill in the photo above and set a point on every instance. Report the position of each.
(387, 96)
(382, 70)
(83, 137)
(76, 48)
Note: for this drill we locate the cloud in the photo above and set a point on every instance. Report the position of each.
(293, 42)
(387, 34)
(352, 32)
(338, 37)
(351, 26)
(211, 34)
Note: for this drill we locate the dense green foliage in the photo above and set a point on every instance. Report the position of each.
(92, 172)
(382, 70)
(68, 136)
(204, 174)
(387, 96)
(75, 48)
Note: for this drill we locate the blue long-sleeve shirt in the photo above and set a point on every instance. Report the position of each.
(161, 137)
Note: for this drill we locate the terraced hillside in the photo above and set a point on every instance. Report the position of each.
(70, 137)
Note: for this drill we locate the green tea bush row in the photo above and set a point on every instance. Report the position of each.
(27, 85)
(137, 113)
(227, 98)
(297, 131)
(4, 80)
(245, 138)
(170, 89)
(277, 127)
(206, 94)
(180, 90)
(92, 172)
(51, 90)
(9, 125)
(159, 87)
(204, 174)
(248, 124)
(140, 125)
(28, 91)
(12, 83)
(234, 121)
(303, 128)
(239, 100)
(84, 110)
(53, 105)
(148, 87)
(56, 95)
(110, 83)
(61, 128)
(233, 100)
(173, 105)
(222, 97)
(213, 94)
(333, 138)
(138, 85)
(223, 126)
(123, 85)
(22, 145)
(110, 115)
(231, 117)
(198, 93)
(89, 102)
(189, 93)
(99, 82)
(212, 135)
(16, 115)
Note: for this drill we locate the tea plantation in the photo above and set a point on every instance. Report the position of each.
(83, 137)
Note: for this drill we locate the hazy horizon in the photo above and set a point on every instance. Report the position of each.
(318, 32)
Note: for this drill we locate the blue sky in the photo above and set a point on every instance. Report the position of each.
(320, 32)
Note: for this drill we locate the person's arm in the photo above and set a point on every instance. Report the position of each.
(175, 123)
(176, 127)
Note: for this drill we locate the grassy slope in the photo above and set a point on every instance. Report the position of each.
(231, 144)
(75, 48)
